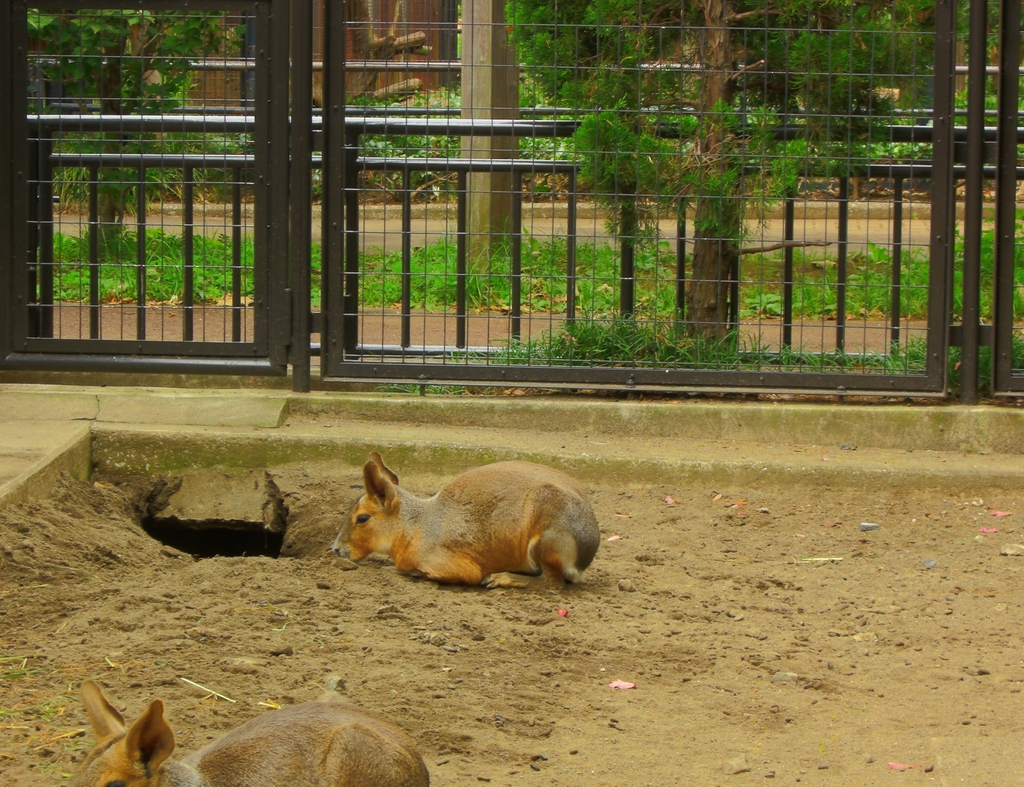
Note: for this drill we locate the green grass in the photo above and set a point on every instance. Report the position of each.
(653, 338)
(213, 268)
(633, 344)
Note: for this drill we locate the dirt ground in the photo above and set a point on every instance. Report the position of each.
(753, 655)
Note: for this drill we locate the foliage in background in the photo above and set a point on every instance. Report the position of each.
(687, 98)
(127, 62)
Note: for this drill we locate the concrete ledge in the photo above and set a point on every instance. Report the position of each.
(918, 427)
(46, 403)
(447, 451)
(238, 408)
(73, 457)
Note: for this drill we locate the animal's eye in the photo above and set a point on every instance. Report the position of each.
(362, 519)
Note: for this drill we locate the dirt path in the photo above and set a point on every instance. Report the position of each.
(753, 656)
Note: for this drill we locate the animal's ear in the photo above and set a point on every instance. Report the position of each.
(379, 461)
(378, 485)
(106, 721)
(150, 740)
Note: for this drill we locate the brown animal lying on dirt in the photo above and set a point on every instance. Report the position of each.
(508, 524)
(315, 744)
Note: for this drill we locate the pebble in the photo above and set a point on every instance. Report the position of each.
(1010, 550)
(865, 526)
(287, 650)
(626, 586)
(345, 564)
(785, 677)
(929, 563)
(736, 765)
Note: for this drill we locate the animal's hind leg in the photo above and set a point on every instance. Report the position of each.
(554, 553)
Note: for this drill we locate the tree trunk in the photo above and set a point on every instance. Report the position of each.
(359, 82)
(110, 187)
(717, 224)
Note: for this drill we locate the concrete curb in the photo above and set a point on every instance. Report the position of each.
(136, 430)
(915, 427)
(73, 457)
(447, 451)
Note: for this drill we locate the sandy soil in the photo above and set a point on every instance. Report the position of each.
(752, 656)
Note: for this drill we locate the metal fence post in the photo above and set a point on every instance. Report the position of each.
(300, 191)
(975, 184)
(1006, 192)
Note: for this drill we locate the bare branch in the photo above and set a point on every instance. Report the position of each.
(747, 14)
(787, 244)
(746, 69)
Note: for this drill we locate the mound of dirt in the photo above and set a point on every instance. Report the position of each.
(80, 528)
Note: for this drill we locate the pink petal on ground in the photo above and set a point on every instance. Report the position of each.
(563, 612)
(614, 538)
(669, 501)
(621, 684)
(988, 529)
(1000, 513)
(898, 766)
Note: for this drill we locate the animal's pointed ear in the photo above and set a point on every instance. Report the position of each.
(150, 740)
(379, 461)
(379, 485)
(106, 721)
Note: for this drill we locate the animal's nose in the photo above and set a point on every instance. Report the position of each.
(340, 550)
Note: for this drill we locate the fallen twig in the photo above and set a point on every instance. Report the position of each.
(204, 688)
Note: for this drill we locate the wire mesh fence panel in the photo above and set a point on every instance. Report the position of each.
(142, 168)
(682, 188)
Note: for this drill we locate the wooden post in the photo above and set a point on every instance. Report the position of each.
(490, 83)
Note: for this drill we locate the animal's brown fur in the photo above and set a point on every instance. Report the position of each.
(315, 744)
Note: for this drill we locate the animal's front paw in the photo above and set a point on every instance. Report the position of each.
(505, 579)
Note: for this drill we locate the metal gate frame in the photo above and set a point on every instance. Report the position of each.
(339, 316)
(1008, 174)
(267, 353)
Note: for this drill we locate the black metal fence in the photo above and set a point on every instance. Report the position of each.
(758, 201)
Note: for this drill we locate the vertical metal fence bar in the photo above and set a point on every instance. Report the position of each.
(261, 175)
(517, 255)
(462, 195)
(1006, 191)
(350, 317)
(94, 254)
(627, 271)
(33, 236)
(300, 206)
(843, 237)
(788, 222)
(188, 254)
(45, 237)
(406, 257)
(281, 314)
(734, 295)
(140, 253)
(570, 252)
(334, 180)
(681, 260)
(940, 262)
(897, 260)
(236, 255)
(973, 197)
